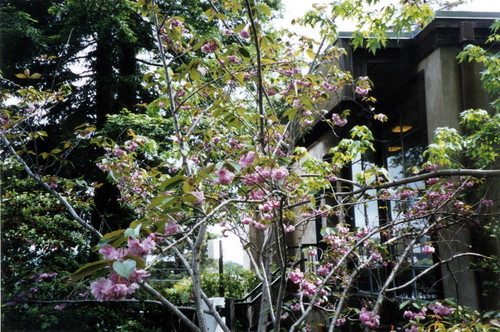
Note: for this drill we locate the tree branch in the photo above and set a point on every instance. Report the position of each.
(85, 224)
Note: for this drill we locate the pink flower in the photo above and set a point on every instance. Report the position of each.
(428, 249)
(200, 196)
(323, 270)
(140, 249)
(228, 32)
(338, 121)
(307, 122)
(244, 34)
(431, 181)
(257, 194)
(329, 87)
(246, 220)
(234, 59)
(295, 307)
(284, 316)
(430, 168)
(296, 276)
(225, 176)
(110, 252)
(375, 255)
(61, 306)
(118, 152)
(209, 47)
(131, 146)
(139, 275)
(361, 90)
(171, 228)
(312, 252)
(118, 291)
(279, 173)
(289, 228)
(440, 309)
(487, 202)
(247, 160)
(380, 117)
(415, 315)
(368, 318)
(101, 288)
(260, 225)
(340, 321)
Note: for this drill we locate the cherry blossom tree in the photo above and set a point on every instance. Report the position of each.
(239, 104)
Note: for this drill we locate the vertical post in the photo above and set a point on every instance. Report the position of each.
(221, 270)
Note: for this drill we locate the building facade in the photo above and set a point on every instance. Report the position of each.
(420, 85)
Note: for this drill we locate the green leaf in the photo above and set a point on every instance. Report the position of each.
(113, 234)
(244, 52)
(234, 165)
(133, 232)
(195, 74)
(190, 198)
(163, 200)
(35, 76)
(310, 53)
(125, 268)
(404, 304)
(185, 297)
(170, 183)
(89, 269)
(140, 263)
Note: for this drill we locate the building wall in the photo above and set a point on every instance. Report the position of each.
(444, 101)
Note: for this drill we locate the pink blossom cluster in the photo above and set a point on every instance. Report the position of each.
(244, 34)
(225, 176)
(117, 287)
(428, 249)
(415, 315)
(289, 72)
(324, 269)
(329, 87)
(261, 175)
(296, 276)
(338, 121)
(342, 243)
(405, 193)
(363, 86)
(440, 309)
(432, 181)
(368, 318)
(200, 196)
(234, 59)
(362, 90)
(247, 159)
(380, 117)
(376, 255)
(209, 47)
(134, 247)
(42, 276)
(487, 202)
(269, 205)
